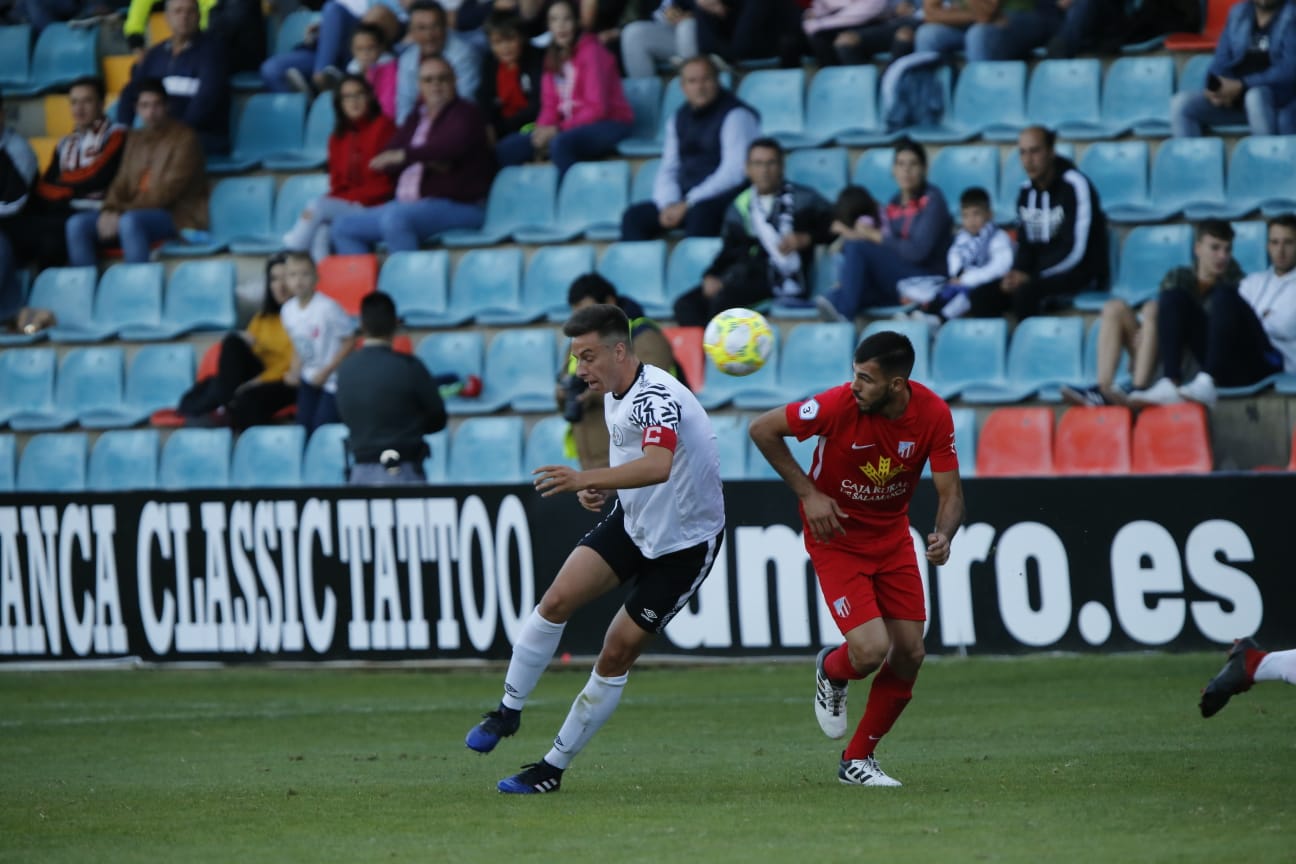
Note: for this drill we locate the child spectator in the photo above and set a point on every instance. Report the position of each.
(980, 256)
(322, 334)
(371, 59)
(509, 91)
(360, 133)
(854, 209)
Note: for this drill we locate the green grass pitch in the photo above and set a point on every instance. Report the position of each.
(1039, 759)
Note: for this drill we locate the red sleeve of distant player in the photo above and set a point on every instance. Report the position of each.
(816, 415)
(944, 455)
(659, 436)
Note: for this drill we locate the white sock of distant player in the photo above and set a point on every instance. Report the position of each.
(588, 713)
(531, 655)
(1277, 666)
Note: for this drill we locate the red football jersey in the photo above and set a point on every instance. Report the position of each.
(870, 464)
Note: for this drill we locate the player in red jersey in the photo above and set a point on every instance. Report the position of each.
(875, 433)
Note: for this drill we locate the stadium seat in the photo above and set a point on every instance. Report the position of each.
(1171, 439)
(549, 274)
(687, 262)
(1250, 240)
(269, 124)
(124, 459)
(1192, 77)
(292, 29)
(641, 188)
(1136, 96)
(268, 456)
(68, 292)
(1216, 17)
(347, 279)
(53, 462)
(1063, 95)
(1259, 178)
(873, 172)
(62, 55)
(815, 357)
(1011, 177)
(732, 443)
(758, 467)
(199, 296)
(58, 115)
(8, 463)
(43, 146)
(1119, 171)
(989, 100)
(313, 152)
(841, 106)
(965, 440)
(418, 283)
(546, 444)
(195, 459)
(15, 56)
(521, 368)
(487, 285)
(591, 200)
(1187, 172)
(919, 336)
(435, 466)
(823, 170)
(240, 209)
(778, 96)
(325, 460)
(638, 267)
(521, 196)
(128, 295)
(156, 377)
(968, 351)
(295, 195)
(116, 73)
(1148, 252)
(1044, 354)
(760, 386)
(1093, 440)
(486, 450)
(955, 169)
(27, 382)
(89, 379)
(686, 345)
(1015, 442)
(644, 96)
(461, 353)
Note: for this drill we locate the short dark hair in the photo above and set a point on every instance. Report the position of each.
(854, 202)
(378, 315)
(368, 28)
(507, 25)
(594, 286)
(766, 143)
(1285, 220)
(93, 81)
(428, 6)
(912, 146)
(608, 321)
(975, 196)
(893, 352)
(1217, 228)
(269, 304)
(150, 85)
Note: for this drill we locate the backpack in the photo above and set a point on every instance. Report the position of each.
(913, 93)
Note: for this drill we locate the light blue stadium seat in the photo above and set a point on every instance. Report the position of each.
(324, 463)
(15, 59)
(8, 463)
(638, 269)
(313, 152)
(27, 382)
(292, 29)
(436, 465)
(550, 273)
(989, 100)
(1064, 96)
(1136, 95)
(53, 462)
(873, 172)
(1119, 171)
(1090, 377)
(128, 295)
(778, 95)
(62, 55)
(156, 378)
(822, 169)
(68, 292)
(487, 284)
(269, 124)
(1187, 172)
(968, 351)
(644, 96)
(124, 459)
(1148, 252)
(816, 356)
(1250, 240)
(240, 209)
(955, 169)
(487, 450)
(687, 262)
(89, 379)
(199, 296)
(841, 105)
(418, 283)
(1259, 178)
(591, 200)
(964, 442)
(461, 353)
(919, 336)
(641, 188)
(522, 367)
(1012, 175)
(721, 389)
(546, 444)
(295, 195)
(521, 196)
(268, 456)
(1044, 354)
(758, 467)
(732, 444)
(195, 459)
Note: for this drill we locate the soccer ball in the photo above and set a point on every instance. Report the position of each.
(738, 341)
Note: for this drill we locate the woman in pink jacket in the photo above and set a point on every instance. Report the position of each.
(583, 111)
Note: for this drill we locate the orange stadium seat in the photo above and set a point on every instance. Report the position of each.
(1216, 17)
(1016, 442)
(1172, 439)
(44, 147)
(117, 71)
(158, 29)
(686, 342)
(348, 278)
(1093, 440)
(58, 115)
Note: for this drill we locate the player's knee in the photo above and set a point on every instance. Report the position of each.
(907, 659)
(866, 658)
(555, 607)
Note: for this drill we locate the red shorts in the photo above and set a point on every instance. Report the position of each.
(859, 588)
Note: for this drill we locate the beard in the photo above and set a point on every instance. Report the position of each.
(877, 405)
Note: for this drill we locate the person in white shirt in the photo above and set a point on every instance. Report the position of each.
(662, 536)
(979, 257)
(322, 335)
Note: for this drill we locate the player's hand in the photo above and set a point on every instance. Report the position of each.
(552, 479)
(938, 548)
(592, 499)
(824, 516)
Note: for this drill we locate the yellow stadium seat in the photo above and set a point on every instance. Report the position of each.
(58, 115)
(44, 148)
(158, 29)
(117, 72)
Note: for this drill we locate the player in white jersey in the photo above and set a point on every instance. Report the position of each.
(661, 536)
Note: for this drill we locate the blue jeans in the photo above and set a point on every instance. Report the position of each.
(332, 48)
(1189, 112)
(137, 231)
(315, 407)
(583, 143)
(869, 273)
(1013, 40)
(402, 225)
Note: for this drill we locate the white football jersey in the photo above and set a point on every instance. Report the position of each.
(688, 508)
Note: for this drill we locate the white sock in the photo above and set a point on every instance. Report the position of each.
(531, 655)
(1277, 666)
(588, 713)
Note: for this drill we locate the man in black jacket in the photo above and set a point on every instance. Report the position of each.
(388, 402)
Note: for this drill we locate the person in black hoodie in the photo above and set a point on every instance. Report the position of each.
(1061, 235)
(509, 89)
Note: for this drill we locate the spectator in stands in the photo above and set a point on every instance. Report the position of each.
(1188, 289)
(429, 38)
(317, 63)
(1061, 237)
(248, 388)
(702, 163)
(583, 111)
(1103, 26)
(192, 67)
(1249, 334)
(322, 335)
(360, 132)
(18, 167)
(443, 168)
(371, 59)
(736, 30)
(979, 257)
(855, 208)
(823, 24)
(229, 21)
(42, 13)
(1252, 79)
(892, 31)
(159, 191)
(987, 29)
(509, 91)
(388, 402)
(912, 241)
(583, 409)
(769, 235)
(670, 34)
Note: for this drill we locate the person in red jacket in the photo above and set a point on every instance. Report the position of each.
(362, 132)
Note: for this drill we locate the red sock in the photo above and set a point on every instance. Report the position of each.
(1251, 659)
(887, 699)
(838, 667)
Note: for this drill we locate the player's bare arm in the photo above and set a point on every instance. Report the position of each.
(949, 515)
(769, 432)
(650, 469)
